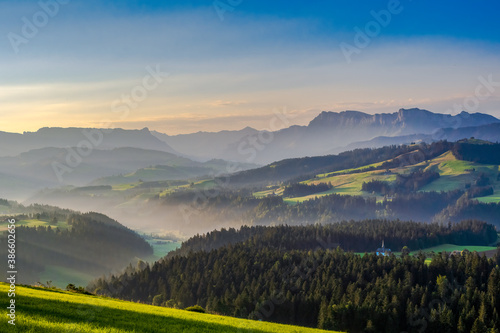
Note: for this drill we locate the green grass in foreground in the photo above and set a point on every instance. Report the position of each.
(41, 310)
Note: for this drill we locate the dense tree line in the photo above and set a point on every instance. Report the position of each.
(465, 208)
(420, 206)
(414, 181)
(483, 191)
(482, 180)
(302, 190)
(377, 186)
(479, 153)
(357, 236)
(324, 288)
(404, 183)
(243, 207)
(89, 246)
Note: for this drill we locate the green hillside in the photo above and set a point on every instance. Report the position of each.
(454, 174)
(42, 310)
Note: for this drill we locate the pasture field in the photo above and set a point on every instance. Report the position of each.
(124, 186)
(454, 174)
(451, 248)
(495, 198)
(330, 174)
(36, 223)
(43, 310)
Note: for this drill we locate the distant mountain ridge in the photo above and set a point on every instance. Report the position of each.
(12, 144)
(204, 145)
(405, 121)
(26, 160)
(489, 132)
(34, 170)
(329, 131)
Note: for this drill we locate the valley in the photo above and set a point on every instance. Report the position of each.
(249, 166)
(178, 234)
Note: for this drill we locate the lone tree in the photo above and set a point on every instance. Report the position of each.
(53, 221)
(405, 251)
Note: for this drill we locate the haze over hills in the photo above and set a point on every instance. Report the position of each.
(12, 144)
(205, 145)
(36, 160)
(489, 132)
(255, 196)
(329, 132)
(24, 174)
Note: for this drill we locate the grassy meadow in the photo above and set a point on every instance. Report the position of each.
(452, 247)
(43, 310)
(454, 174)
(33, 223)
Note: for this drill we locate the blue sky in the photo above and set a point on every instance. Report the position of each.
(232, 69)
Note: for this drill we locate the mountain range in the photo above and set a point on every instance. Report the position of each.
(12, 144)
(329, 132)
(52, 157)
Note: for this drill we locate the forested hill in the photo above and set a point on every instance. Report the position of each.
(394, 156)
(322, 288)
(477, 151)
(357, 236)
(89, 244)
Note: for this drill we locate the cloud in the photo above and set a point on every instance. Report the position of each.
(227, 103)
(224, 75)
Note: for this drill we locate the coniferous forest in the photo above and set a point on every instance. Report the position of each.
(95, 244)
(303, 276)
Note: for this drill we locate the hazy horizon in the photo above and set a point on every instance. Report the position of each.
(194, 67)
(293, 122)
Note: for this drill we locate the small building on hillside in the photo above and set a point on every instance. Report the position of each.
(383, 251)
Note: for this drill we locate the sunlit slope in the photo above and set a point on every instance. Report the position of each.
(40, 311)
(454, 174)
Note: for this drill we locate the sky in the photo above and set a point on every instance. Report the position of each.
(187, 66)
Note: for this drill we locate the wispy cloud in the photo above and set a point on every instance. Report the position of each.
(223, 74)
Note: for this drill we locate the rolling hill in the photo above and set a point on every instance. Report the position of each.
(65, 246)
(489, 132)
(454, 174)
(46, 311)
(307, 167)
(199, 206)
(23, 175)
(12, 144)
